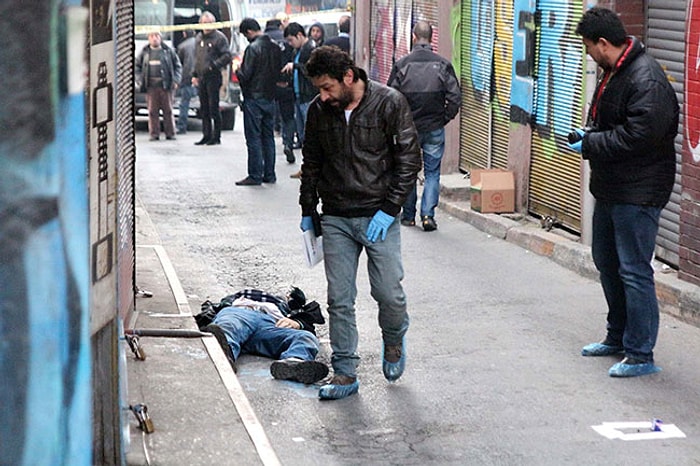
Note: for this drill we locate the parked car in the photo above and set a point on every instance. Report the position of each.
(176, 12)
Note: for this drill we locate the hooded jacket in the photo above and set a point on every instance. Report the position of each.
(359, 167)
(634, 121)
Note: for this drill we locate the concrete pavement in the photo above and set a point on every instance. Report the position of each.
(199, 411)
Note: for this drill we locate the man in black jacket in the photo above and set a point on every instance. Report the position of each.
(360, 158)
(212, 55)
(254, 322)
(632, 123)
(258, 75)
(431, 87)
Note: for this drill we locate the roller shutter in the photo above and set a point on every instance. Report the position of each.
(502, 77)
(381, 39)
(476, 58)
(427, 10)
(665, 41)
(555, 180)
(125, 158)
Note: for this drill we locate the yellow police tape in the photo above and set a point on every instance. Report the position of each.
(145, 29)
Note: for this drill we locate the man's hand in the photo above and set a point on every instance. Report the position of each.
(285, 322)
(307, 224)
(195, 82)
(379, 225)
(288, 68)
(578, 145)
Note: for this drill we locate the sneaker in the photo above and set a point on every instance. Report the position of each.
(606, 347)
(632, 367)
(393, 360)
(290, 154)
(428, 223)
(408, 222)
(340, 386)
(248, 181)
(220, 336)
(298, 370)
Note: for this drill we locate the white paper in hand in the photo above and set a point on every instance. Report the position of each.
(313, 247)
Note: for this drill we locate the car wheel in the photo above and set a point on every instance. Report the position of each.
(228, 119)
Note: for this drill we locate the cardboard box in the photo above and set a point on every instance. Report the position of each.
(492, 191)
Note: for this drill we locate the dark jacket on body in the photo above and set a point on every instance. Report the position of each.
(170, 67)
(260, 69)
(360, 167)
(430, 85)
(634, 123)
(211, 54)
(307, 91)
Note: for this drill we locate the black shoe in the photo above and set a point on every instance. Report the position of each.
(213, 142)
(408, 222)
(201, 142)
(297, 370)
(270, 180)
(290, 154)
(170, 138)
(218, 332)
(248, 181)
(154, 138)
(428, 223)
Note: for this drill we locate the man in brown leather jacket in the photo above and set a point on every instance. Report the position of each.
(361, 159)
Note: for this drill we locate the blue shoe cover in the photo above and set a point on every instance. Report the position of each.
(600, 349)
(394, 370)
(633, 370)
(336, 391)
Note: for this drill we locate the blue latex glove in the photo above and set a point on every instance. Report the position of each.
(578, 145)
(306, 224)
(379, 225)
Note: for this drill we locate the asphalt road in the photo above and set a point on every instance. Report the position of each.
(494, 373)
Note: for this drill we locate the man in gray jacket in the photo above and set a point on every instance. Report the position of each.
(431, 87)
(159, 69)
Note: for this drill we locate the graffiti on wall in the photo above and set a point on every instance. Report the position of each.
(691, 139)
(44, 340)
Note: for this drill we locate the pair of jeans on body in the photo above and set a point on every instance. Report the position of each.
(300, 111)
(433, 145)
(254, 332)
(258, 126)
(343, 241)
(186, 95)
(624, 238)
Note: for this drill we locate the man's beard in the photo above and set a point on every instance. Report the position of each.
(343, 101)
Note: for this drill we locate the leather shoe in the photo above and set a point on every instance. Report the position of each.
(248, 181)
(213, 142)
(290, 154)
(201, 142)
(296, 175)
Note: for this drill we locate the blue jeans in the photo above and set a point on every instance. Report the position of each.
(254, 332)
(186, 94)
(624, 238)
(433, 145)
(343, 241)
(300, 111)
(258, 122)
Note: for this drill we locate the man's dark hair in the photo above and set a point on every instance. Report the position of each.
(332, 61)
(344, 24)
(598, 23)
(249, 24)
(423, 30)
(293, 29)
(273, 24)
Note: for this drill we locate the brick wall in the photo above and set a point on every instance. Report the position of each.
(631, 13)
(689, 249)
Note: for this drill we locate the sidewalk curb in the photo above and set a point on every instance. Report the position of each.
(676, 297)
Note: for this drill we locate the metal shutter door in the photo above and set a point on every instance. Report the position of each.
(476, 65)
(555, 179)
(427, 10)
(502, 66)
(666, 42)
(125, 158)
(381, 40)
(402, 29)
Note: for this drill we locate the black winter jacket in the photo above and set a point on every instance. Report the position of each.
(170, 67)
(430, 85)
(634, 123)
(262, 62)
(211, 54)
(307, 91)
(360, 167)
